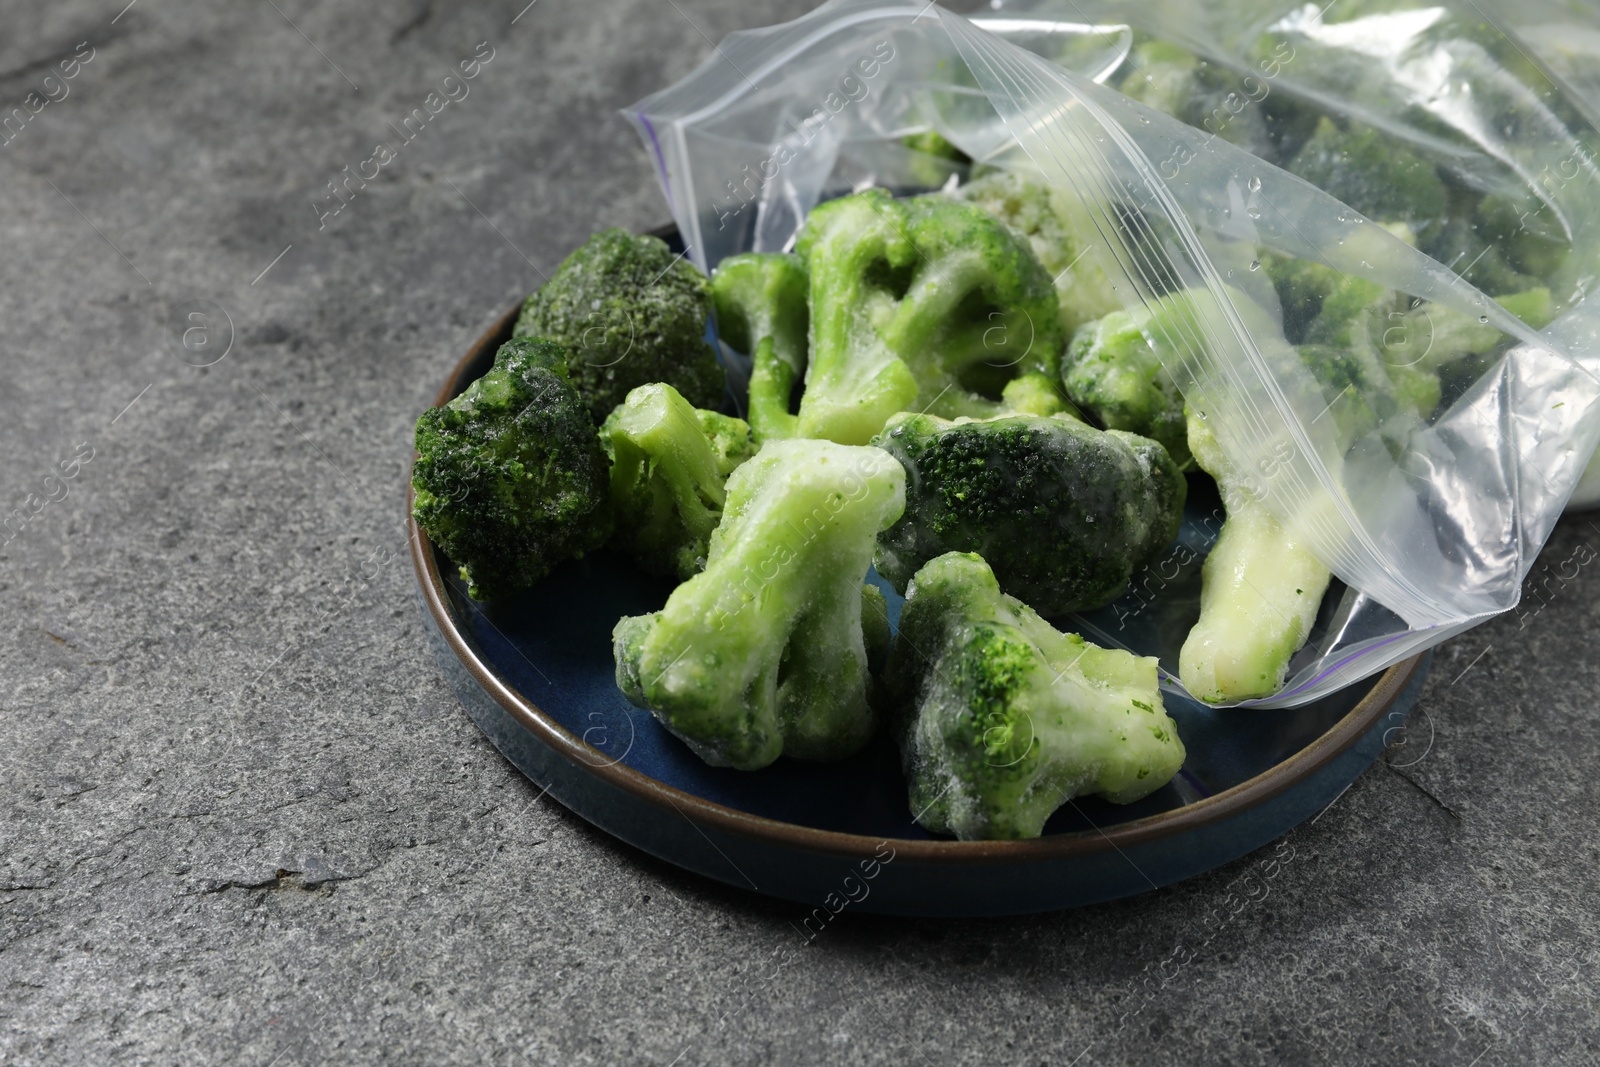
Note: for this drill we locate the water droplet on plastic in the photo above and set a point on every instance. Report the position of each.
(1484, 319)
(1365, 265)
(1201, 414)
(1253, 213)
(1343, 217)
(1255, 264)
(1143, 121)
(1254, 184)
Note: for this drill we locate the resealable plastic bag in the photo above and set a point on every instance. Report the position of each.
(1430, 520)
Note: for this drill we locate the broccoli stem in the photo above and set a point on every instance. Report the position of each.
(1260, 588)
(760, 299)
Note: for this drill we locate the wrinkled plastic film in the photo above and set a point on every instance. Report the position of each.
(1428, 538)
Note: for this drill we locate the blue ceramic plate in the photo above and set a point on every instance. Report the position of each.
(535, 673)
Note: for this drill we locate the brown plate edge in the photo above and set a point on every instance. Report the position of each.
(1212, 809)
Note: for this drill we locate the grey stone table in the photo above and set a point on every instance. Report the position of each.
(245, 822)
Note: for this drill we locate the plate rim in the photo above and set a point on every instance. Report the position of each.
(1231, 802)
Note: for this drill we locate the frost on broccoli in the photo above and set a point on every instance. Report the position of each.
(631, 313)
(921, 304)
(669, 461)
(761, 301)
(510, 478)
(1260, 591)
(1042, 214)
(766, 652)
(1003, 719)
(1064, 513)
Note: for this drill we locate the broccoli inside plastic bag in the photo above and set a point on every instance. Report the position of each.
(1416, 424)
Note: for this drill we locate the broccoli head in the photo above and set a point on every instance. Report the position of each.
(510, 478)
(1116, 369)
(1041, 214)
(668, 465)
(766, 651)
(760, 299)
(925, 303)
(631, 313)
(1064, 513)
(1377, 175)
(1003, 719)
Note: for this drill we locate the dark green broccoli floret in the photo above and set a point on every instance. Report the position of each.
(1043, 215)
(766, 651)
(631, 312)
(927, 303)
(1003, 719)
(1377, 175)
(668, 465)
(761, 311)
(510, 478)
(1064, 513)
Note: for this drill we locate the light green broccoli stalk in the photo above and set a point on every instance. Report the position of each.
(765, 652)
(760, 299)
(1064, 513)
(510, 478)
(669, 461)
(632, 313)
(1042, 214)
(1004, 719)
(927, 304)
(1259, 594)
(1431, 336)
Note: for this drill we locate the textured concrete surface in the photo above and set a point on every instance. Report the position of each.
(243, 820)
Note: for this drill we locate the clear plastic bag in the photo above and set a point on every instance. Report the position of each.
(1429, 521)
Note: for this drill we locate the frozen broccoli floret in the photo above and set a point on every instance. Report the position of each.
(1161, 75)
(926, 304)
(1117, 368)
(934, 159)
(765, 652)
(1064, 513)
(631, 313)
(1377, 175)
(1004, 719)
(1431, 337)
(669, 461)
(1041, 214)
(1531, 244)
(1460, 246)
(761, 311)
(510, 478)
(1260, 591)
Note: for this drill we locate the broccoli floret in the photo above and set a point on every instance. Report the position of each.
(1461, 247)
(1377, 175)
(761, 311)
(1004, 719)
(668, 465)
(1064, 513)
(765, 651)
(933, 158)
(510, 478)
(1259, 594)
(1041, 214)
(927, 303)
(1161, 75)
(631, 313)
(1117, 369)
(1431, 337)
